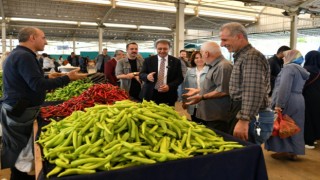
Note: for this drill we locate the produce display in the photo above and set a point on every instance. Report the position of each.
(74, 88)
(96, 94)
(108, 137)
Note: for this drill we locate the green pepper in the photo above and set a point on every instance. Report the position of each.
(73, 171)
(54, 171)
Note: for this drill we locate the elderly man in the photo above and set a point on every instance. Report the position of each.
(127, 70)
(213, 99)
(162, 75)
(249, 86)
(25, 88)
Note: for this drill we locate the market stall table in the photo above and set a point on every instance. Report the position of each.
(246, 163)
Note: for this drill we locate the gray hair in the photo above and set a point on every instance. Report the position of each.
(211, 47)
(25, 33)
(116, 52)
(163, 41)
(235, 28)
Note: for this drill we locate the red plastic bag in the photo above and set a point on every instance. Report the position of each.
(288, 127)
(284, 126)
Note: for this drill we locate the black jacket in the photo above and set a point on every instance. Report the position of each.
(174, 76)
(276, 65)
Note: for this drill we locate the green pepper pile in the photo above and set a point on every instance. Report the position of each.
(74, 88)
(108, 137)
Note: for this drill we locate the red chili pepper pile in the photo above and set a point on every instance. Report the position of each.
(105, 93)
(98, 93)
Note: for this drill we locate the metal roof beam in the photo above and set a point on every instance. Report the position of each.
(2, 10)
(223, 8)
(87, 29)
(103, 20)
(187, 21)
(271, 5)
(306, 3)
(307, 6)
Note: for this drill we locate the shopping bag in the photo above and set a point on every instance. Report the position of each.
(287, 126)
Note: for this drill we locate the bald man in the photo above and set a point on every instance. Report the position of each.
(213, 97)
(25, 89)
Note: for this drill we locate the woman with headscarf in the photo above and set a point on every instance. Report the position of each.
(287, 97)
(312, 99)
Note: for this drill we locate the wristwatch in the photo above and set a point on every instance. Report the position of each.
(135, 73)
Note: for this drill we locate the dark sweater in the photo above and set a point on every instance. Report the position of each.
(24, 80)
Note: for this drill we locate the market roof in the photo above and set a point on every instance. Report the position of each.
(141, 19)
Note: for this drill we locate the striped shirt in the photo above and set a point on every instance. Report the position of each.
(250, 82)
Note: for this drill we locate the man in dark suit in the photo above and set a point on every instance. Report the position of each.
(161, 75)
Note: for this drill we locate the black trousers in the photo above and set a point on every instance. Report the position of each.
(219, 125)
(18, 175)
(165, 98)
(234, 109)
(194, 117)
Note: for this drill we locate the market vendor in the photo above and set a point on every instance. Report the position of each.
(24, 91)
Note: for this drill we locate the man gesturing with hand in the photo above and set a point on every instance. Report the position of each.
(161, 75)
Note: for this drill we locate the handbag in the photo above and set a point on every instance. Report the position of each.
(284, 126)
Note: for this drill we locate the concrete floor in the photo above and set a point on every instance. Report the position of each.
(307, 167)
